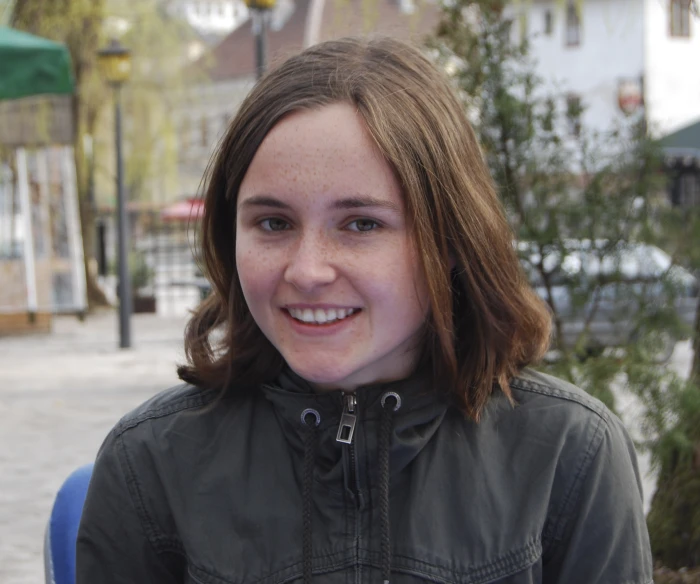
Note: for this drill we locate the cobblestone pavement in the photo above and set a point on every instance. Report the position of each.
(61, 393)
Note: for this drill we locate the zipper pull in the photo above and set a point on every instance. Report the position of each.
(346, 430)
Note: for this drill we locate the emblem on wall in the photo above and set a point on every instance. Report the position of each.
(630, 95)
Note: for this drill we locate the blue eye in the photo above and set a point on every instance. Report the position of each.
(274, 224)
(363, 225)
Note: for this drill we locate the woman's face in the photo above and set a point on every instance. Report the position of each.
(324, 255)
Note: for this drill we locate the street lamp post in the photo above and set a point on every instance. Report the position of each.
(115, 64)
(260, 10)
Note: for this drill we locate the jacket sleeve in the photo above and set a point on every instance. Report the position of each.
(114, 544)
(602, 535)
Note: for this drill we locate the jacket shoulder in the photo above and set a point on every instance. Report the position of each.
(533, 388)
(169, 406)
(166, 403)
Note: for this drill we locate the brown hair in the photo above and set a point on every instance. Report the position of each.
(485, 322)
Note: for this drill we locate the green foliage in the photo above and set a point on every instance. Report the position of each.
(153, 96)
(674, 518)
(77, 24)
(564, 186)
(560, 183)
(6, 7)
(141, 273)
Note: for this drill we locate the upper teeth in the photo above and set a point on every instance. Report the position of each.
(319, 315)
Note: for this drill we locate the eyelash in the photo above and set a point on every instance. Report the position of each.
(376, 225)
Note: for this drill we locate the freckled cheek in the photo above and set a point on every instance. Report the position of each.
(394, 284)
(257, 270)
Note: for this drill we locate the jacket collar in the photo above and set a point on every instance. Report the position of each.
(415, 422)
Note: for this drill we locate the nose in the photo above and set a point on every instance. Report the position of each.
(310, 263)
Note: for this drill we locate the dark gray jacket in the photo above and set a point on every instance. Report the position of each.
(186, 490)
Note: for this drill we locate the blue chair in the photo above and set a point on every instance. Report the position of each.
(62, 530)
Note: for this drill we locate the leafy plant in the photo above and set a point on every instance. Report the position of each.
(565, 185)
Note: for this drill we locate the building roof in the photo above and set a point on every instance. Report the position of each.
(318, 20)
(686, 137)
(682, 145)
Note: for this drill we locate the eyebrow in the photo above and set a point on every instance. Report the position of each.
(354, 202)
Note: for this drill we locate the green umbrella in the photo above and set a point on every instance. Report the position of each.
(31, 65)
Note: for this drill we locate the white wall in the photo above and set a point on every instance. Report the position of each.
(215, 16)
(611, 48)
(673, 71)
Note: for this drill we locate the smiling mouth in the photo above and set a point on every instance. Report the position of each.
(321, 316)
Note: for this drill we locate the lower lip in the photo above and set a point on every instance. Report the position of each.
(329, 328)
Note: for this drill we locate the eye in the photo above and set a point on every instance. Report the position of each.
(274, 224)
(363, 225)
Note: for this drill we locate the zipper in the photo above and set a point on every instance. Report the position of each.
(348, 420)
(346, 431)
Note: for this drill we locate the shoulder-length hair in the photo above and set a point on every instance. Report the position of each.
(485, 322)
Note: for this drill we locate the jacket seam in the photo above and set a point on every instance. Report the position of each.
(184, 403)
(550, 391)
(509, 563)
(160, 542)
(292, 571)
(573, 494)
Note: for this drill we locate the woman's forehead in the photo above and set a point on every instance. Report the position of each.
(322, 155)
(319, 134)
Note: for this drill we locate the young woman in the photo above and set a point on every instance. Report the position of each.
(358, 406)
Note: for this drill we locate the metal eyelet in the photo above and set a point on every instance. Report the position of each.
(314, 413)
(396, 396)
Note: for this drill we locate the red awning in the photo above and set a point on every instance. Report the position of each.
(187, 210)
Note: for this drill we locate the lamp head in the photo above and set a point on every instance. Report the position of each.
(114, 62)
(260, 4)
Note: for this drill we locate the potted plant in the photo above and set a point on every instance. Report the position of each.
(142, 292)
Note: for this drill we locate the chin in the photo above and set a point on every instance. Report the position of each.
(321, 374)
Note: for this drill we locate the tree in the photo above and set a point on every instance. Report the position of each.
(674, 417)
(154, 95)
(579, 201)
(76, 23)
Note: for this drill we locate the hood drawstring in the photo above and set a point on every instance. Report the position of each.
(311, 419)
(386, 427)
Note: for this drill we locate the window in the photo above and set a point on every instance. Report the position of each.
(548, 22)
(573, 25)
(522, 26)
(574, 109)
(680, 18)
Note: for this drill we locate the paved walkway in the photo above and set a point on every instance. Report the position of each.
(60, 395)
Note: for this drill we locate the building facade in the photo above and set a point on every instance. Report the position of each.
(616, 56)
(211, 18)
(291, 26)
